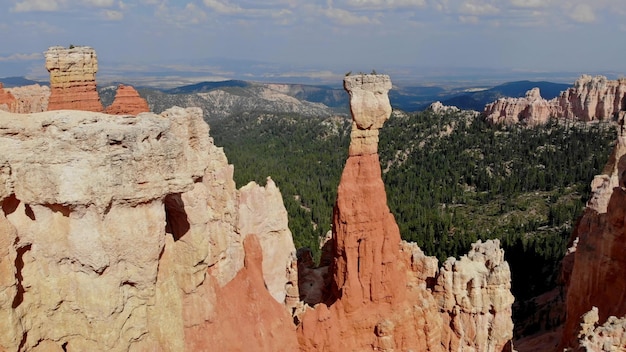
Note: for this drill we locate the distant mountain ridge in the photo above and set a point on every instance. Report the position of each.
(10, 82)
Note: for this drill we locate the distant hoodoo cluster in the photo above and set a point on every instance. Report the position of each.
(591, 98)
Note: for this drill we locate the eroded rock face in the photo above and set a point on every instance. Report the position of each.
(7, 100)
(383, 294)
(30, 99)
(591, 98)
(127, 102)
(73, 78)
(120, 233)
(598, 272)
(262, 212)
(608, 337)
(531, 110)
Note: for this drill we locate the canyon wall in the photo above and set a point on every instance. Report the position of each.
(596, 270)
(30, 99)
(385, 294)
(591, 98)
(73, 78)
(122, 233)
(127, 102)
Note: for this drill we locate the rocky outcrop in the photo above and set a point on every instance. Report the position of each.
(531, 110)
(127, 102)
(30, 99)
(385, 294)
(7, 100)
(609, 337)
(122, 233)
(73, 78)
(591, 98)
(438, 108)
(598, 272)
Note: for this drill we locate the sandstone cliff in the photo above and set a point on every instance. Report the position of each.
(73, 78)
(591, 98)
(127, 102)
(386, 294)
(597, 264)
(122, 233)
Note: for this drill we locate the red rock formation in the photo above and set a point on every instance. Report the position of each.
(598, 275)
(73, 78)
(589, 99)
(127, 102)
(247, 317)
(7, 100)
(383, 295)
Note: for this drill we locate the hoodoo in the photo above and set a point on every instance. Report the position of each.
(127, 102)
(386, 294)
(73, 78)
(591, 98)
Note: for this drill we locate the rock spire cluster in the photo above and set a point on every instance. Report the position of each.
(73, 78)
(591, 98)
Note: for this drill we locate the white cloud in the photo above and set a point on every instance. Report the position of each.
(475, 8)
(36, 5)
(113, 15)
(529, 3)
(344, 17)
(386, 4)
(583, 13)
(223, 7)
(21, 57)
(100, 3)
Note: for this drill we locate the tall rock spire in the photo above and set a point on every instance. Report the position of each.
(366, 237)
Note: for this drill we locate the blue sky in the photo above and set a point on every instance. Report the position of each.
(217, 39)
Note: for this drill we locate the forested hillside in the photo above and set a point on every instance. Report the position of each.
(451, 179)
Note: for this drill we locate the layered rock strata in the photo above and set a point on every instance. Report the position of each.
(385, 294)
(127, 102)
(123, 233)
(598, 269)
(591, 98)
(73, 78)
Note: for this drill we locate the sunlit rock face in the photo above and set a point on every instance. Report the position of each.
(597, 272)
(385, 294)
(590, 99)
(73, 78)
(122, 233)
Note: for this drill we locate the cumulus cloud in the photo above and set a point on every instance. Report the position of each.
(583, 13)
(180, 17)
(223, 7)
(345, 17)
(476, 8)
(21, 57)
(36, 5)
